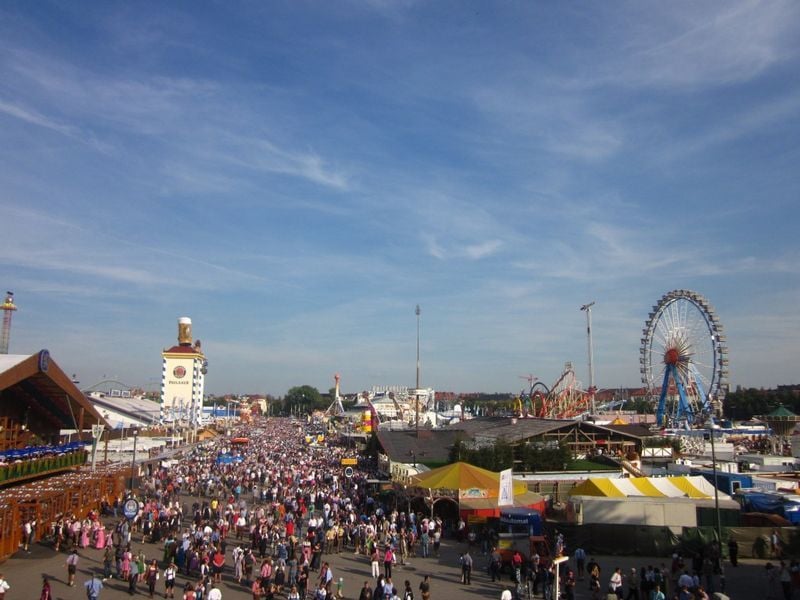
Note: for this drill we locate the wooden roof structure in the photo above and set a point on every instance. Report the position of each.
(36, 395)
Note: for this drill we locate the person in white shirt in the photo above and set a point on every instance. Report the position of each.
(615, 583)
(506, 594)
(214, 593)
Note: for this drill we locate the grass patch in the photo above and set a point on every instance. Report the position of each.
(587, 465)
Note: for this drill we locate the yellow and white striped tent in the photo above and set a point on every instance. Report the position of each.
(695, 486)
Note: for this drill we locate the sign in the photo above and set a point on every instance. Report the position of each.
(348, 472)
(505, 496)
(130, 508)
(349, 461)
(473, 493)
(44, 361)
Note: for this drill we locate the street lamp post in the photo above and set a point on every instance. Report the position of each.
(716, 483)
(416, 393)
(588, 309)
(133, 458)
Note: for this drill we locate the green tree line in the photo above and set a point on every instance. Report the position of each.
(746, 403)
(502, 455)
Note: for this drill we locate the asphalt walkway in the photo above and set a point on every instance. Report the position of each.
(24, 572)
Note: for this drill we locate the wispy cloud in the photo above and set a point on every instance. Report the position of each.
(561, 124)
(30, 116)
(179, 115)
(700, 45)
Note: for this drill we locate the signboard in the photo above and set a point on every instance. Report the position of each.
(130, 508)
(506, 492)
(348, 472)
(349, 461)
(473, 493)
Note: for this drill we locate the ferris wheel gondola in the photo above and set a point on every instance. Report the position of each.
(683, 359)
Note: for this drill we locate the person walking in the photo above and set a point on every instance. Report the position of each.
(133, 578)
(388, 560)
(580, 562)
(733, 551)
(425, 587)
(615, 583)
(366, 592)
(634, 583)
(408, 593)
(495, 563)
(4, 586)
(72, 566)
(657, 594)
(151, 575)
(169, 580)
(215, 593)
(375, 562)
(466, 568)
(93, 587)
(46, 593)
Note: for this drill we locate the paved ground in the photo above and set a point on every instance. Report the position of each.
(24, 571)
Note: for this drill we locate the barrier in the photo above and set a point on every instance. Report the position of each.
(76, 492)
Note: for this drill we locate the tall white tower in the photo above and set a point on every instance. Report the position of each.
(183, 379)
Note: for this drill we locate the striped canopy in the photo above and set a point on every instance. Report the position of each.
(694, 486)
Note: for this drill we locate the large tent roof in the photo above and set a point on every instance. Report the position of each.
(464, 476)
(647, 487)
(38, 384)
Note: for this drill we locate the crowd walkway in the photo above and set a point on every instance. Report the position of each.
(276, 518)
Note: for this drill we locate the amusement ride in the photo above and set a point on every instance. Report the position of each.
(684, 359)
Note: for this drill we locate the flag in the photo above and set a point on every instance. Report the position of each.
(505, 497)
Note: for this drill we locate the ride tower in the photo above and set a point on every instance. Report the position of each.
(8, 307)
(183, 372)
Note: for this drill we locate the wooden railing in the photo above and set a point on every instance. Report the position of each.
(20, 470)
(46, 500)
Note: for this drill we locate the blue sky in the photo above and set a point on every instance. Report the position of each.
(297, 176)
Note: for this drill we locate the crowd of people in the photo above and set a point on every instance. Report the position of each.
(269, 506)
(266, 507)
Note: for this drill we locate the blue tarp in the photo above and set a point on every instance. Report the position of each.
(37, 451)
(771, 503)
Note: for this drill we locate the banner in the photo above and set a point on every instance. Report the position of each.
(505, 496)
(473, 493)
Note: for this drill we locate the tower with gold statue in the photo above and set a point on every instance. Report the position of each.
(183, 371)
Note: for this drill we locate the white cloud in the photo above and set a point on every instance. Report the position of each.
(690, 44)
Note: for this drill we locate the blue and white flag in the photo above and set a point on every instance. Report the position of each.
(505, 497)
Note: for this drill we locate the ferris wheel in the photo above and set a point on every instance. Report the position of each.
(683, 358)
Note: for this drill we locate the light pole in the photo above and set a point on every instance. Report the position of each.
(588, 309)
(133, 458)
(417, 312)
(716, 483)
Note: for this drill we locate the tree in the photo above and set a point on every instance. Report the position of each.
(303, 399)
